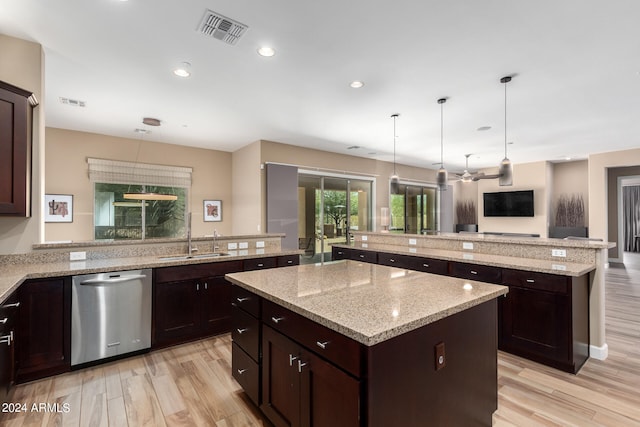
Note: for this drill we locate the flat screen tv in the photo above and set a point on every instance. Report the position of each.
(509, 203)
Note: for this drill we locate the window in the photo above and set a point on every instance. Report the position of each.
(117, 218)
(414, 209)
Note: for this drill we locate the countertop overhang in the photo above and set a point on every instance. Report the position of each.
(366, 302)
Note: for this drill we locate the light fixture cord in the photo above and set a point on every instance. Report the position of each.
(505, 120)
(394, 143)
(441, 135)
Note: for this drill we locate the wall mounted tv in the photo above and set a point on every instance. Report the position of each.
(509, 203)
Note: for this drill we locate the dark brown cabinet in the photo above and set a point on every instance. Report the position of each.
(8, 322)
(260, 263)
(245, 333)
(481, 273)
(545, 318)
(43, 334)
(15, 150)
(301, 389)
(192, 301)
(426, 265)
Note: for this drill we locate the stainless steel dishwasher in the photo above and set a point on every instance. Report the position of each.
(111, 315)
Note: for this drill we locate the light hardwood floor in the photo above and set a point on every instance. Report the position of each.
(190, 385)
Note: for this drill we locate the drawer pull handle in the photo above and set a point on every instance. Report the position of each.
(242, 330)
(361, 255)
(241, 371)
(531, 281)
(277, 319)
(242, 299)
(291, 359)
(425, 265)
(473, 272)
(261, 265)
(301, 365)
(15, 304)
(3, 321)
(392, 260)
(322, 345)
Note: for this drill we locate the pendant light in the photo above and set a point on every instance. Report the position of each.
(466, 176)
(146, 195)
(505, 170)
(394, 183)
(442, 176)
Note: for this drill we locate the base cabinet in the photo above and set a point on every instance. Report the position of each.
(8, 320)
(302, 389)
(191, 302)
(43, 334)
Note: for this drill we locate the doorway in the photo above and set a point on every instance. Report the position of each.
(414, 209)
(330, 208)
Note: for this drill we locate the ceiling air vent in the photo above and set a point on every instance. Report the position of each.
(73, 102)
(220, 27)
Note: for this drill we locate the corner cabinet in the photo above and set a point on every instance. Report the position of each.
(15, 150)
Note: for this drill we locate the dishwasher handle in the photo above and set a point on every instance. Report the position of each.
(111, 280)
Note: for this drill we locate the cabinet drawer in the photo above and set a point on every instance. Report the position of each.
(482, 273)
(259, 263)
(9, 312)
(338, 349)
(339, 253)
(287, 260)
(394, 260)
(364, 256)
(196, 271)
(245, 332)
(246, 372)
(248, 301)
(428, 265)
(537, 281)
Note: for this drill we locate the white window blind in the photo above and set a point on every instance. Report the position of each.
(120, 172)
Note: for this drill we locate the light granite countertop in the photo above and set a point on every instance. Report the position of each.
(366, 302)
(528, 264)
(12, 275)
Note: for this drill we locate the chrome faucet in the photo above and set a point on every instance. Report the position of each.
(191, 249)
(215, 236)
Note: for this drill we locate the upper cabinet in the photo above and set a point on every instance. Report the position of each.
(15, 150)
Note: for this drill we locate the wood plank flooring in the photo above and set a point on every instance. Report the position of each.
(191, 385)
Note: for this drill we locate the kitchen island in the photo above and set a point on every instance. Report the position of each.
(355, 344)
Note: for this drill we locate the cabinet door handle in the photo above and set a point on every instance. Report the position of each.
(242, 299)
(5, 339)
(15, 304)
(301, 365)
(206, 285)
(197, 286)
(277, 319)
(291, 359)
(473, 272)
(322, 345)
(3, 321)
(241, 371)
(531, 281)
(242, 330)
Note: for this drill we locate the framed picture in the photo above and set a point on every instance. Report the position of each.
(212, 210)
(58, 208)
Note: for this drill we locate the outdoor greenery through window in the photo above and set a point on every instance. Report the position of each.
(116, 218)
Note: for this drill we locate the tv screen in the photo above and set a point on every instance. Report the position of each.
(509, 203)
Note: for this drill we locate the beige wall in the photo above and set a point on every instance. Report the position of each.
(247, 190)
(22, 65)
(67, 173)
(526, 176)
(464, 191)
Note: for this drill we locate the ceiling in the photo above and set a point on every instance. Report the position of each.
(575, 90)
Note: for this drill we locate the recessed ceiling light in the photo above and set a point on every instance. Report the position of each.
(266, 51)
(483, 128)
(183, 69)
(356, 84)
(151, 121)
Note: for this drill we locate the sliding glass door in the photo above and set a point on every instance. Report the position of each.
(329, 208)
(414, 209)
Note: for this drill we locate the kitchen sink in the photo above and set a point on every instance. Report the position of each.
(198, 256)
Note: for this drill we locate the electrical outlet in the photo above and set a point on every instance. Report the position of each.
(441, 360)
(244, 245)
(365, 238)
(77, 256)
(467, 245)
(413, 241)
(260, 244)
(232, 246)
(558, 267)
(559, 252)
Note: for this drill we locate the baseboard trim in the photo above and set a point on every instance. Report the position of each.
(599, 353)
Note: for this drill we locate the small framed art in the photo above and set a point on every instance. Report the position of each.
(58, 208)
(212, 210)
